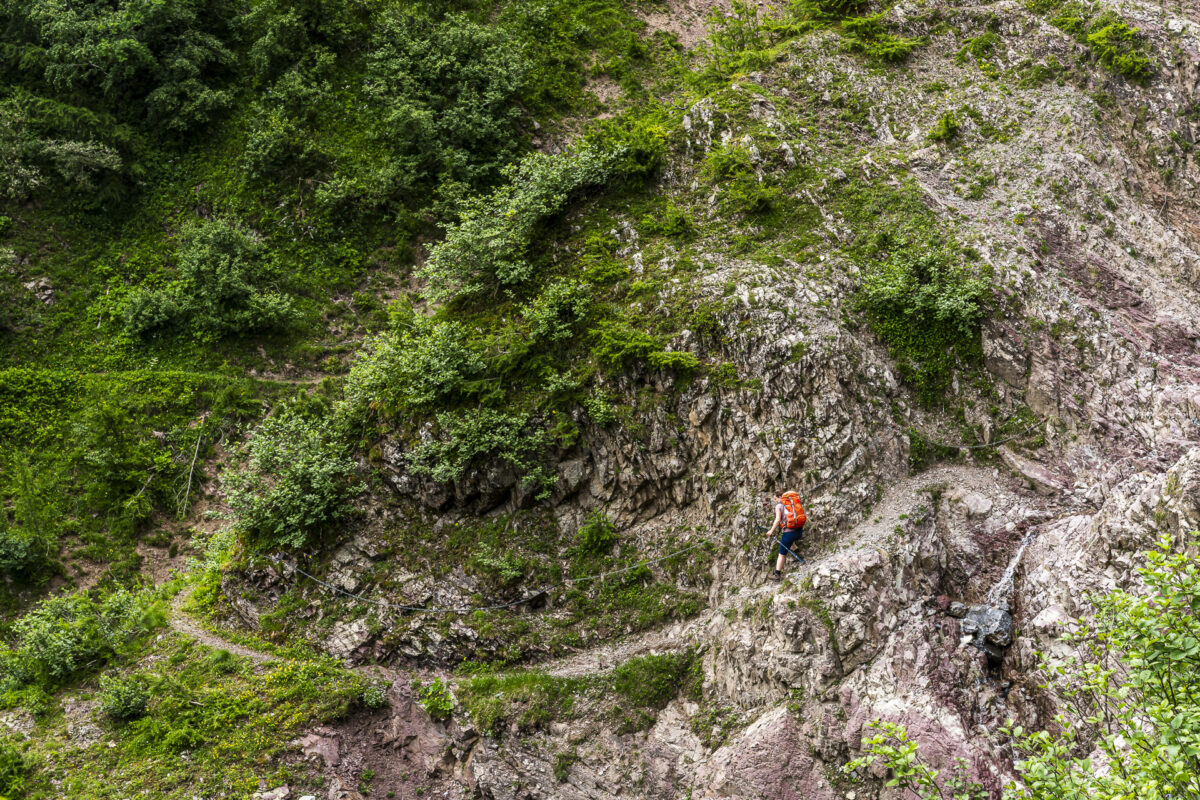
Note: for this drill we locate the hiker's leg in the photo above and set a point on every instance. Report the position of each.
(779, 564)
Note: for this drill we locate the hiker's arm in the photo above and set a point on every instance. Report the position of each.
(778, 520)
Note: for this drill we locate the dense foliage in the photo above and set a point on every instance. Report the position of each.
(294, 480)
(65, 635)
(220, 289)
(91, 85)
(927, 305)
(1116, 45)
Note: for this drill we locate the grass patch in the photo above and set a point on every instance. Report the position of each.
(631, 695)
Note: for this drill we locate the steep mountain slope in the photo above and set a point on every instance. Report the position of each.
(556, 559)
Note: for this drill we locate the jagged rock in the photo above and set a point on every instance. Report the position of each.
(20, 722)
(1041, 478)
(975, 504)
(957, 610)
(42, 290)
(326, 748)
(346, 637)
(989, 624)
(243, 605)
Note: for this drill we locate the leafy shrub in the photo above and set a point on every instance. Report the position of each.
(96, 78)
(529, 699)
(124, 698)
(1116, 45)
(15, 769)
(562, 763)
(1120, 47)
(617, 343)
(219, 290)
(978, 48)
(28, 161)
(427, 363)
(827, 9)
(596, 536)
(737, 41)
(28, 541)
(62, 636)
(436, 699)
(119, 463)
(946, 129)
(465, 436)
(927, 306)
(673, 221)
(727, 162)
(294, 480)
(451, 86)
(503, 569)
(485, 253)
(870, 36)
(374, 695)
(557, 311)
(890, 744)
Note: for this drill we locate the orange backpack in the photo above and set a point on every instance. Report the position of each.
(793, 512)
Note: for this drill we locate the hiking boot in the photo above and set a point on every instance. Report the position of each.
(801, 559)
(776, 575)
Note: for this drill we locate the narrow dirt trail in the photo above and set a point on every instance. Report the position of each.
(181, 622)
(899, 499)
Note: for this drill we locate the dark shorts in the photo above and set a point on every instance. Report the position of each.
(789, 537)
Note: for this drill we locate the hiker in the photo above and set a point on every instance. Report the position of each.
(789, 520)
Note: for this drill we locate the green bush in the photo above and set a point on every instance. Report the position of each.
(737, 41)
(827, 9)
(529, 699)
(870, 36)
(220, 289)
(462, 438)
(98, 79)
(596, 536)
(978, 48)
(294, 479)
(63, 636)
(15, 769)
(28, 540)
(554, 315)
(452, 87)
(119, 463)
(617, 343)
(436, 699)
(926, 305)
(124, 697)
(30, 161)
(374, 695)
(485, 253)
(427, 363)
(946, 129)
(1120, 47)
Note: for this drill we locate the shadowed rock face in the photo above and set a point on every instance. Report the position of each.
(895, 616)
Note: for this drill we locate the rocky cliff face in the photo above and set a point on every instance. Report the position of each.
(928, 594)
